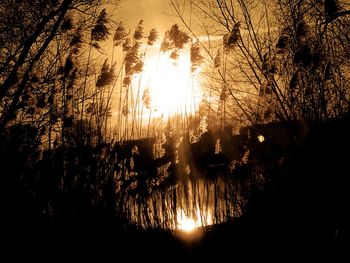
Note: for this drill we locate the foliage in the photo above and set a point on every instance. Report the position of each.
(152, 37)
(100, 31)
(174, 39)
(120, 34)
(106, 76)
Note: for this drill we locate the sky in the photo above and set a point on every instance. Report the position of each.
(155, 13)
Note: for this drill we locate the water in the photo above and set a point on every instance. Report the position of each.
(175, 183)
(189, 203)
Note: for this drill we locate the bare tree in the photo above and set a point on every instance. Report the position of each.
(312, 53)
(280, 60)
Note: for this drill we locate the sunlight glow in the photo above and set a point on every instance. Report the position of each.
(174, 89)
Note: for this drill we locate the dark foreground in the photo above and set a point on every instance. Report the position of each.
(244, 240)
(303, 212)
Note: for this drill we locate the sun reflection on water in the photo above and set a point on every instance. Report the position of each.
(188, 224)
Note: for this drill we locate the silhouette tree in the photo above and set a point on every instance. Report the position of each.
(313, 61)
(279, 60)
(45, 75)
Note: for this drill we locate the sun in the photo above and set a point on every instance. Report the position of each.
(172, 86)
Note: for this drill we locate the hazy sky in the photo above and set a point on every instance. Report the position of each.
(155, 13)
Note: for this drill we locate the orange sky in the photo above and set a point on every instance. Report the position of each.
(155, 13)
